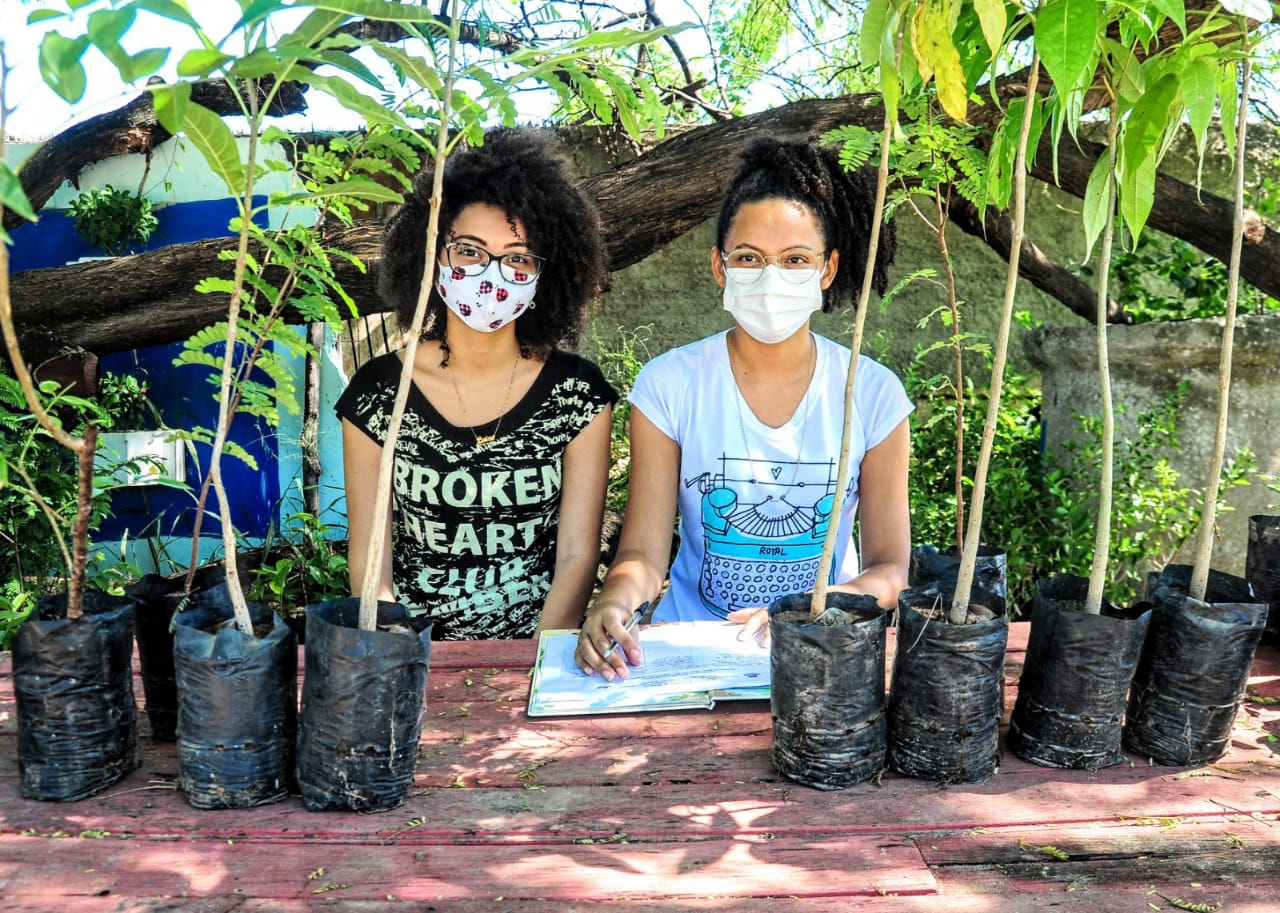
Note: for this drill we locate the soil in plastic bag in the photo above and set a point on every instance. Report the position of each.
(238, 704)
(1071, 698)
(1194, 668)
(159, 598)
(73, 682)
(930, 566)
(947, 694)
(1262, 567)
(362, 704)
(827, 693)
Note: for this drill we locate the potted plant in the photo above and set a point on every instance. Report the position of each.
(948, 677)
(1178, 713)
(77, 721)
(113, 221)
(1082, 649)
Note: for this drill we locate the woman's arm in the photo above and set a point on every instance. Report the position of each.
(361, 456)
(584, 480)
(644, 552)
(884, 520)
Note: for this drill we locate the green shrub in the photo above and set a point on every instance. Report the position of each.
(1041, 509)
(113, 220)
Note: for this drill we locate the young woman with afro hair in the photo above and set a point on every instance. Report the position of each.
(503, 455)
(739, 434)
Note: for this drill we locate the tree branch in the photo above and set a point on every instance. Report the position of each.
(1033, 264)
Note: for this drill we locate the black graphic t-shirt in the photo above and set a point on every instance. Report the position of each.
(474, 534)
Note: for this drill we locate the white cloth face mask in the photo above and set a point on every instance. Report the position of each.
(768, 307)
(486, 301)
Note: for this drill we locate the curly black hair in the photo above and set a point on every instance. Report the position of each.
(802, 171)
(522, 172)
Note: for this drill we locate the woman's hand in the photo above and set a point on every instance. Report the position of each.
(605, 627)
(755, 624)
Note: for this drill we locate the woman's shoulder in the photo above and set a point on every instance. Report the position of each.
(563, 365)
(686, 358)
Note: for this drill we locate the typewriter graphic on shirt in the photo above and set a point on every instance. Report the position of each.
(764, 523)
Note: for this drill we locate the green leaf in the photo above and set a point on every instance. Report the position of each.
(1127, 76)
(38, 16)
(416, 69)
(1066, 31)
(347, 95)
(368, 191)
(171, 102)
(12, 196)
(937, 55)
(1175, 10)
(60, 65)
(202, 62)
(1137, 194)
(876, 28)
(107, 26)
(313, 29)
(1097, 200)
(142, 64)
(169, 9)
(994, 20)
(210, 134)
(347, 63)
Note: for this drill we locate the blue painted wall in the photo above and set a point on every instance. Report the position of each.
(182, 395)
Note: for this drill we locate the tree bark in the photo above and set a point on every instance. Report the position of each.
(130, 129)
(1199, 218)
(1033, 264)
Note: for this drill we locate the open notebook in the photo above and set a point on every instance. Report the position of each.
(687, 664)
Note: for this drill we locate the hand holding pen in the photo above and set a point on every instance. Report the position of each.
(607, 643)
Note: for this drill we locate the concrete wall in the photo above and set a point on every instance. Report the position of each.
(1148, 361)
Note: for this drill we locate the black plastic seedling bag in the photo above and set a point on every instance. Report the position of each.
(947, 694)
(73, 683)
(1262, 566)
(362, 703)
(827, 693)
(930, 566)
(1071, 697)
(159, 598)
(1194, 668)
(237, 704)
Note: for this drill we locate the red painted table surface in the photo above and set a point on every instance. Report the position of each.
(661, 812)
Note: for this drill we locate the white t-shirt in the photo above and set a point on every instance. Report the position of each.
(755, 501)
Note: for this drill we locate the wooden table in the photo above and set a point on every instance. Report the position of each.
(660, 812)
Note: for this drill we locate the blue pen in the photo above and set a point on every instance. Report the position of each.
(628, 627)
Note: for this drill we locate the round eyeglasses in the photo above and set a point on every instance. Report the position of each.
(795, 264)
(520, 268)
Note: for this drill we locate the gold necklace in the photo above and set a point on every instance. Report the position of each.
(485, 438)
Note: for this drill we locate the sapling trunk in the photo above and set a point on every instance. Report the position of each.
(382, 496)
(80, 529)
(819, 602)
(1208, 515)
(1102, 537)
(241, 608)
(957, 350)
(969, 550)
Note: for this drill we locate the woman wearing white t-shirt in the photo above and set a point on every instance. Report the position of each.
(739, 433)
